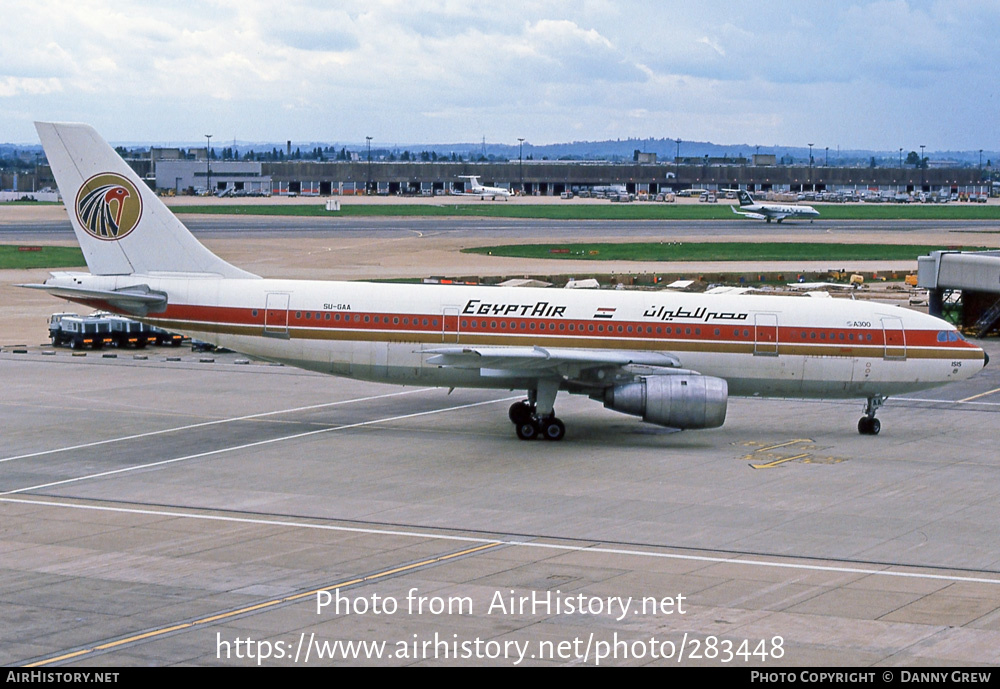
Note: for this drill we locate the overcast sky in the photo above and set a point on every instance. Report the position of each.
(883, 75)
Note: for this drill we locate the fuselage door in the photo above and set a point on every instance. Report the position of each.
(765, 334)
(895, 338)
(276, 315)
(450, 327)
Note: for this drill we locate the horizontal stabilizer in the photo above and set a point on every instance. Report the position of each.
(138, 300)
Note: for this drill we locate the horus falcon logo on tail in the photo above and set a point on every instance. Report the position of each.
(108, 206)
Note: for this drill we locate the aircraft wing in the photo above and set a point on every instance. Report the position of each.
(755, 216)
(547, 362)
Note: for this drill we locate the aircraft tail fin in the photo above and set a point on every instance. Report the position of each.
(745, 198)
(122, 226)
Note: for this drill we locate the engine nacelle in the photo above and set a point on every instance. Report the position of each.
(676, 401)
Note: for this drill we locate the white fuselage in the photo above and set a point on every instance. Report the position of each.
(761, 345)
(775, 210)
(491, 191)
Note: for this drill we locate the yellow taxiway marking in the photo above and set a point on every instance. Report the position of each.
(767, 458)
(779, 461)
(263, 605)
(785, 444)
(982, 394)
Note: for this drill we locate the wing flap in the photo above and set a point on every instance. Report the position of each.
(551, 360)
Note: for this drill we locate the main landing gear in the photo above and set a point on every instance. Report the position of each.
(868, 424)
(535, 417)
(529, 425)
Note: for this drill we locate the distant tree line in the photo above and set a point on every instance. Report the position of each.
(330, 153)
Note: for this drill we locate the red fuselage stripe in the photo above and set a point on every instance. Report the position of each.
(494, 325)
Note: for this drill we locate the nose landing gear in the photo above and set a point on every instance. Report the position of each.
(868, 424)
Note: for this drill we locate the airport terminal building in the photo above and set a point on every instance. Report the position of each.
(179, 172)
(221, 175)
(549, 178)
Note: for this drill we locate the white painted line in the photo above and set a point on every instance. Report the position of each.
(968, 400)
(513, 542)
(259, 443)
(212, 423)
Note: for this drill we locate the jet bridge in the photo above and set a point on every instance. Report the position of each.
(965, 285)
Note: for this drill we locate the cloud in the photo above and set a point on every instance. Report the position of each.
(453, 70)
(15, 86)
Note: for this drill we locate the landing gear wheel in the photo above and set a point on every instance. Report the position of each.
(520, 412)
(527, 430)
(869, 426)
(553, 429)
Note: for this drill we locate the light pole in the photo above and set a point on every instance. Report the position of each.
(677, 158)
(923, 165)
(900, 158)
(810, 164)
(520, 161)
(368, 182)
(208, 164)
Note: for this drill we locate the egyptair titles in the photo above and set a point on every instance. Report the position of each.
(701, 313)
(545, 309)
(540, 309)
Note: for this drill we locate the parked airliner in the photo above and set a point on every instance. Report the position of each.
(672, 359)
(771, 211)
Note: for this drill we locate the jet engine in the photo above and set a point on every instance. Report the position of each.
(676, 401)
